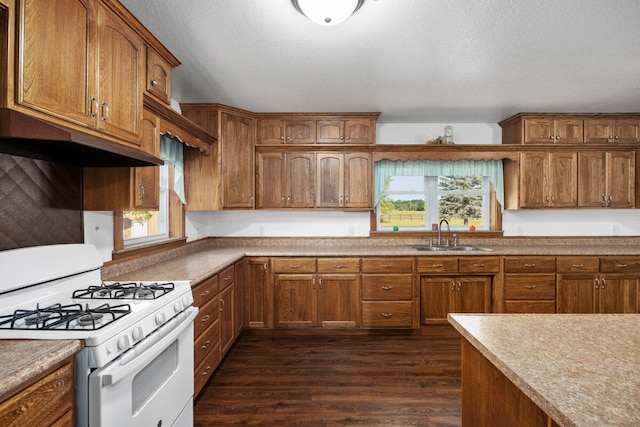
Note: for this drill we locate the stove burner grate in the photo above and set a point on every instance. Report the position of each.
(67, 317)
(130, 290)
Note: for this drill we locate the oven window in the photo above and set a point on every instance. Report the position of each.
(153, 376)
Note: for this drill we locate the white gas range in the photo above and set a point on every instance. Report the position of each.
(136, 367)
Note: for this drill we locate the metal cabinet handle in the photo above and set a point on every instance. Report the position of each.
(478, 265)
(339, 266)
(621, 265)
(94, 107)
(204, 294)
(141, 196)
(205, 318)
(453, 285)
(459, 286)
(530, 286)
(437, 265)
(578, 265)
(206, 344)
(530, 265)
(105, 111)
(597, 283)
(386, 288)
(386, 266)
(386, 314)
(604, 283)
(154, 82)
(227, 278)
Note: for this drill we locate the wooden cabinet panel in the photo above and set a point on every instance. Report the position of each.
(205, 291)
(387, 314)
(271, 180)
(338, 265)
(575, 293)
(349, 131)
(577, 264)
(295, 300)
(387, 287)
(239, 283)
(227, 328)
(286, 180)
(479, 264)
(592, 179)
(358, 181)
(530, 306)
(330, 179)
(270, 131)
(286, 131)
(553, 131)
(338, 300)
(440, 296)
(611, 130)
(207, 315)
(44, 402)
(227, 277)
(158, 76)
(206, 342)
(387, 265)
(530, 286)
(205, 369)
(528, 264)
(301, 179)
(548, 180)
(258, 307)
(606, 179)
(620, 264)
(438, 264)
(473, 294)
(237, 159)
(294, 265)
(618, 293)
(300, 131)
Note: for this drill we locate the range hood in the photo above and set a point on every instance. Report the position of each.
(26, 136)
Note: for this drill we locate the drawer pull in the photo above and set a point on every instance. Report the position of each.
(621, 265)
(386, 314)
(386, 266)
(227, 278)
(386, 288)
(294, 266)
(204, 294)
(339, 266)
(530, 286)
(578, 265)
(206, 371)
(530, 265)
(206, 344)
(478, 265)
(205, 318)
(437, 265)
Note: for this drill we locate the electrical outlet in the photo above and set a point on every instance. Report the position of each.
(351, 230)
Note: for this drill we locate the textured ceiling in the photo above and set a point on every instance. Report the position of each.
(415, 61)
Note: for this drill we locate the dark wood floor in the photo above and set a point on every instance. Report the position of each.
(283, 378)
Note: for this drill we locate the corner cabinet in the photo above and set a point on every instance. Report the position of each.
(102, 86)
(224, 180)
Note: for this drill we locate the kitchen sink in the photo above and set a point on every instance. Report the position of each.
(452, 248)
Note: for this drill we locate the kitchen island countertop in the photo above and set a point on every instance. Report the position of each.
(22, 361)
(581, 370)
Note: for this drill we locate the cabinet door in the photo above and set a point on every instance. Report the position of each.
(301, 180)
(338, 300)
(591, 179)
(534, 175)
(538, 131)
(236, 141)
(473, 294)
(569, 131)
(57, 71)
(359, 131)
(618, 294)
(626, 131)
(330, 180)
(330, 131)
(436, 299)
(227, 328)
(270, 131)
(300, 132)
(158, 76)
(258, 307)
(598, 131)
(146, 180)
(295, 300)
(238, 306)
(121, 66)
(357, 181)
(575, 293)
(621, 179)
(271, 180)
(563, 186)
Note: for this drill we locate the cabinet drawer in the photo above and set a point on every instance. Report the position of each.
(226, 277)
(524, 306)
(387, 287)
(205, 369)
(294, 265)
(338, 265)
(205, 291)
(577, 265)
(205, 318)
(529, 265)
(620, 265)
(205, 342)
(530, 286)
(387, 265)
(387, 314)
(477, 264)
(437, 264)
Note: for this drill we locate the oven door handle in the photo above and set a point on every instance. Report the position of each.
(150, 348)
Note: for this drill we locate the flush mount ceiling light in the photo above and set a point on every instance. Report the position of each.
(327, 12)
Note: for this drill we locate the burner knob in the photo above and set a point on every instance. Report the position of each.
(177, 306)
(137, 333)
(123, 343)
(160, 318)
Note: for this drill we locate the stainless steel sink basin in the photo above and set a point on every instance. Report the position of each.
(452, 248)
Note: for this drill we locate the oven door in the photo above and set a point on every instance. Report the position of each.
(151, 384)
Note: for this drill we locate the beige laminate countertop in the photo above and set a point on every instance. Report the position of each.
(205, 259)
(21, 361)
(582, 370)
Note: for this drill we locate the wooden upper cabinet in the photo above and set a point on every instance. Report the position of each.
(286, 131)
(89, 71)
(606, 179)
(346, 131)
(552, 131)
(300, 183)
(605, 131)
(548, 180)
(47, 82)
(236, 141)
(330, 170)
(344, 180)
(285, 180)
(358, 177)
(158, 76)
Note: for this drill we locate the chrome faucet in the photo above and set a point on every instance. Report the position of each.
(440, 231)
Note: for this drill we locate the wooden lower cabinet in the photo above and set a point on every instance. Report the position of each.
(296, 302)
(48, 401)
(440, 296)
(530, 284)
(258, 291)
